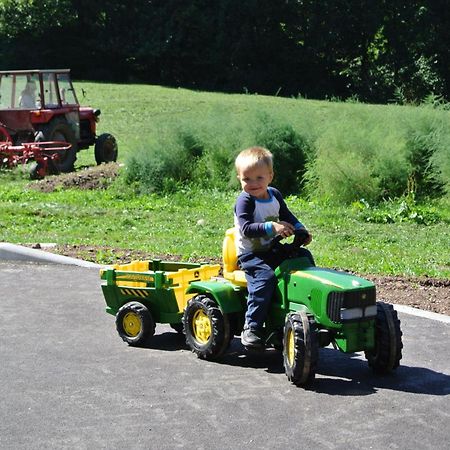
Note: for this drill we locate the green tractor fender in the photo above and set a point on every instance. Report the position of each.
(229, 297)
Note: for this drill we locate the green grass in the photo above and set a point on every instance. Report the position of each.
(384, 239)
(157, 225)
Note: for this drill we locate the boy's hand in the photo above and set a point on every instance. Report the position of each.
(283, 229)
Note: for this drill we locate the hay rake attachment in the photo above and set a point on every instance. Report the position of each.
(45, 155)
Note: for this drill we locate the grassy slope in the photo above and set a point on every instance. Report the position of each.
(118, 218)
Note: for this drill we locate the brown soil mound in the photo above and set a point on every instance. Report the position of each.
(97, 177)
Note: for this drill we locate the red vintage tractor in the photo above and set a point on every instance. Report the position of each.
(40, 107)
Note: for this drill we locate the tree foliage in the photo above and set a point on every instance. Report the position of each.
(373, 50)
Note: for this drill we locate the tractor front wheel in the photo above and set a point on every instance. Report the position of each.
(105, 149)
(386, 355)
(206, 328)
(135, 324)
(300, 348)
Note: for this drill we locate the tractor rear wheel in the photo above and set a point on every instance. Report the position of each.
(386, 355)
(135, 324)
(300, 348)
(59, 130)
(105, 149)
(206, 328)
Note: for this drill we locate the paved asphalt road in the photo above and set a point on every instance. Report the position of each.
(69, 382)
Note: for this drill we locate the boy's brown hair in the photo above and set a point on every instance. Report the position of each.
(252, 157)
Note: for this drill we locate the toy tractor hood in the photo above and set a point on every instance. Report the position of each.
(334, 279)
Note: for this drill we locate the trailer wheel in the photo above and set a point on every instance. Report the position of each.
(105, 149)
(135, 324)
(206, 328)
(300, 348)
(59, 130)
(386, 355)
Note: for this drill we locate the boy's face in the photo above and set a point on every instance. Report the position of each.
(255, 180)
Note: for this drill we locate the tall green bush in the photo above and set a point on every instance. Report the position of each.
(358, 155)
(338, 151)
(290, 151)
(428, 147)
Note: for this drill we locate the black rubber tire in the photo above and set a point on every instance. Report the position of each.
(206, 328)
(59, 130)
(105, 149)
(386, 355)
(135, 324)
(178, 327)
(300, 348)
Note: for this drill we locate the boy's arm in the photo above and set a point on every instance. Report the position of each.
(285, 213)
(244, 210)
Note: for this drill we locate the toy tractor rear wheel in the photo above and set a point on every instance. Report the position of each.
(59, 130)
(135, 324)
(206, 328)
(386, 355)
(300, 348)
(105, 149)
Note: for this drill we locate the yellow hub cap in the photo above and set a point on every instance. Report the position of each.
(201, 326)
(132, 324)
(290, 346)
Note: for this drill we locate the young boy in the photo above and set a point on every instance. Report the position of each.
(260, 215)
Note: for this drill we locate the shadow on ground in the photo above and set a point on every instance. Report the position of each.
(337, 373)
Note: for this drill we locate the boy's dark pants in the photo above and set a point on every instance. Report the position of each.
(261, 280)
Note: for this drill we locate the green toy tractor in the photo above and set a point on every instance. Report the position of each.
(312, 307)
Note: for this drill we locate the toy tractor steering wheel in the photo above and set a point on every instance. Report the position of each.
(300, 237)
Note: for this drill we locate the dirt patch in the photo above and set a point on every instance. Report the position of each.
(430, 294)
(425, 293)
(97, 177)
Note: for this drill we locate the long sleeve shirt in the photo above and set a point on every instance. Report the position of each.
(253, 219)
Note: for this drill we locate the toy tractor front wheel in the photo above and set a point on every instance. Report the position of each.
(135, 324)
(386, 355)
(300, 348)
(206, 328)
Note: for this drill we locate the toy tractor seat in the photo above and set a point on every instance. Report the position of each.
(231, 270)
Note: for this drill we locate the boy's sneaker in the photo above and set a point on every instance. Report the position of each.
(251, 339)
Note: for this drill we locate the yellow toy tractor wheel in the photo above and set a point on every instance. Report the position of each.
(300, 348)
(207, 329)
(135, 324)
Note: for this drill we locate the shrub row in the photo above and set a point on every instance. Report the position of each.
(344, 153)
